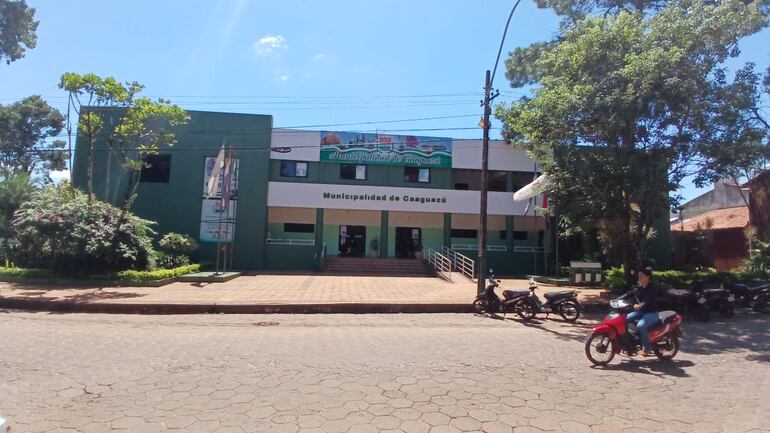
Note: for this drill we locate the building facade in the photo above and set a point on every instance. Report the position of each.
(299, 196)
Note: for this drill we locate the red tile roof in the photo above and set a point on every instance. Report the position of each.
(719, 219)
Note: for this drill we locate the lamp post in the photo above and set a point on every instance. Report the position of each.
(489, 79)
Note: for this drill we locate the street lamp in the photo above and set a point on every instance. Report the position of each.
(489, 79)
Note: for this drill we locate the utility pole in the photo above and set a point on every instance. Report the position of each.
(482, 277)
(482, 280)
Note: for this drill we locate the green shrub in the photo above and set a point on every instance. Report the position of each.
(615, 281)
(26, 273)
(155, 275)
(759, 257)
(59, 229)
(176, 250)
(178, 243)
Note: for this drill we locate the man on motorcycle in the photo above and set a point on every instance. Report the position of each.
(645, 314)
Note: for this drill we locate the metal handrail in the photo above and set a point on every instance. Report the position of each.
(441, 263)
(462, 263)
(474, 247)
(304, 242)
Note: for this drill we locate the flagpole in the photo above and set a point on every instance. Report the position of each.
(232, 247)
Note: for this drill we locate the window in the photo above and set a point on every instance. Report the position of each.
(540, 238)
(293, 169)
(353, 172)
(464, 233)
(503, 235)
(298, 228)
(497, 181)
(462, 186)
(520, 236)
(157, 168)
(416, 174)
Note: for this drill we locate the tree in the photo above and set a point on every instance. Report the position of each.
(17, 29)
(16, 188)
(627, 105)
(85, 92)
(26, 128)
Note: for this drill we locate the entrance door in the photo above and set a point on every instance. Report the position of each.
(408, 241)
(352, 241)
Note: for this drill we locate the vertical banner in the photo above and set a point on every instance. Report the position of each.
(214, 224)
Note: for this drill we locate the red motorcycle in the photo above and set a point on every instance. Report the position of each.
(613, 336)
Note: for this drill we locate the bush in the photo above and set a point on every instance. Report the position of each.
(177, 243)
(759, 257)
(176, 250)
(158, 274)
(615, 281)
(60, 230)
(26, 273)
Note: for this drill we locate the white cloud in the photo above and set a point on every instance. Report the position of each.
(320, 56)
(284, 77)
(268, 44)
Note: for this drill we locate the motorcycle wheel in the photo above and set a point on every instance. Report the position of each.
(762, 305)
(481, 305)
(569, 310)
(525, 310)
(701, 312)
(667, 348)
(727, 310)
(600, 349)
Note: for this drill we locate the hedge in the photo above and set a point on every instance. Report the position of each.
(130, 275)
(158, 274)
(615, 281)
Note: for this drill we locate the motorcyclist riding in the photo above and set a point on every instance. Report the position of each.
(645, 314)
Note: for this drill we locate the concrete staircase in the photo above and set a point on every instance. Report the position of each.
(375, 266)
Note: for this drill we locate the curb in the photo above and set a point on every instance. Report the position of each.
(334, 308)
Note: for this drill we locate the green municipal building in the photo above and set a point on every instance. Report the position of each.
(300, 196)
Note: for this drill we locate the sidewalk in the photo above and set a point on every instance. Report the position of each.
(268, 294)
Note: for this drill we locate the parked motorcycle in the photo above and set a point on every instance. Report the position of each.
(756, 297)
(489, 302)
(721, 299)
(563, 303)
(684, 301)
(614, 336)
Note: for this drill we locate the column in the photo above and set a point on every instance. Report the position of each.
(448, 230)
(319, 237)
(384, 233)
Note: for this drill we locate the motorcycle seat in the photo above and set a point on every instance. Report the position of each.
(559, 295)
(666, 316)
(678, 293)
(716, 292)
(510, 294)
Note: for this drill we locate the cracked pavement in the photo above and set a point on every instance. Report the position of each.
(369, 373)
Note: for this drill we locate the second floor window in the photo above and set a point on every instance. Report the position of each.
(157, 169)
(416, 175)
(293, 169)
(353, 171)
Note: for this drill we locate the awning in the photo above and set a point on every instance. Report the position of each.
(532, 189)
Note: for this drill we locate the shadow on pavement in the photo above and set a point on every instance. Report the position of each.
(101, 295)
(746, 331)
(653, 367)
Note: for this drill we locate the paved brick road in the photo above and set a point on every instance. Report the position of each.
(367, 373)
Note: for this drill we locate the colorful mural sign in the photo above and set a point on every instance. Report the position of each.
(370, 148)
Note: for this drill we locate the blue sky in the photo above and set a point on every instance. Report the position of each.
(304, 62)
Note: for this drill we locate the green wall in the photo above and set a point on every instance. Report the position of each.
(176, 205)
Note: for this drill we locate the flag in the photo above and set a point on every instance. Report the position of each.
(227, 177)
(532, 189)
(211, 190)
